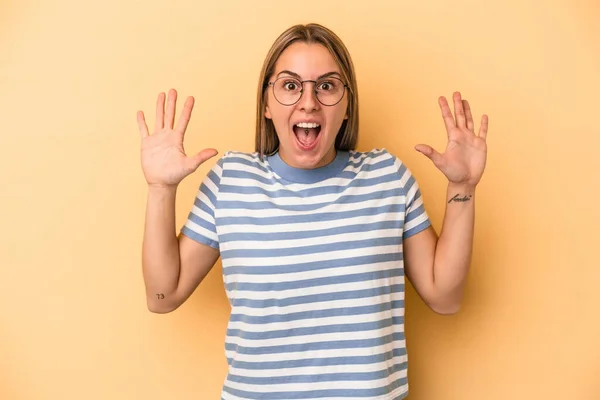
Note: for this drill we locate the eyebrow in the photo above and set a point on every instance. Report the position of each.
(295, 75)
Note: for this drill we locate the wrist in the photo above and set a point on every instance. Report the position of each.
(461, 187)
(161, 188)
(460, 192)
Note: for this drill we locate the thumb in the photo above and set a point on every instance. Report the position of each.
(195, 161)
(430, 153)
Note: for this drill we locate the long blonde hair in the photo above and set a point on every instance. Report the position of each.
(266, 141)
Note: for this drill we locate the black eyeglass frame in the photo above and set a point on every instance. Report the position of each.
(272, 84)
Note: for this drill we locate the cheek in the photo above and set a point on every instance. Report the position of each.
(338, 116)
(279, 117)
(280, 114)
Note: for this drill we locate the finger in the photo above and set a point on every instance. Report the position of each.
(186, 114)
(170, 109)
(430, 153)
(142, 124)
(198, 159)
(459, 111)
(160, 113)
(484, 127)
(446, 114)
(468, 115)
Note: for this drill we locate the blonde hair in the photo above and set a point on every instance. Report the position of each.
(266, 141)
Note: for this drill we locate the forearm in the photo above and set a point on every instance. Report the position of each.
(455, 244)
(160, 249)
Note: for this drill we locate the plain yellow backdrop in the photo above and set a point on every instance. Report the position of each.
(73, 321)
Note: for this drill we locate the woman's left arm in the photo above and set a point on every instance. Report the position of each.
(436, 266)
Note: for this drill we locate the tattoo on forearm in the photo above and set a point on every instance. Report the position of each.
(160, 295)
(460, 199)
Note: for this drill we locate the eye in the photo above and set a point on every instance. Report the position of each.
(326, 86)
(291, 85)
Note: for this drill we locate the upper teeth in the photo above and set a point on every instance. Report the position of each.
(307, 125)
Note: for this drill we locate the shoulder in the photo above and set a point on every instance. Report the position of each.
(239, 164)
(380, 161)
(374, 159)
(231, 158)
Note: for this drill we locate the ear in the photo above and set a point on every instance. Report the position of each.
(268, 113)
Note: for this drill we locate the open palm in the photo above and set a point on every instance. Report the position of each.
(464, 160)
(164, 161)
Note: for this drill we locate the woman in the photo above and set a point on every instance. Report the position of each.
(315, 238)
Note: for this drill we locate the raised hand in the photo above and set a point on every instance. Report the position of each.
(164, 161)
(464, 160)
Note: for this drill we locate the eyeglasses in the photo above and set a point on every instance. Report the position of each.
(288, 90)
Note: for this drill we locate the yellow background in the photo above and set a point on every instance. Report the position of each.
(74, 323)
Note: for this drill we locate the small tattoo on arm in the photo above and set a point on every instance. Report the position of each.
(160, 295)
(460, 199)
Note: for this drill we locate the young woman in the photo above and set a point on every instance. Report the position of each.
(315, 237)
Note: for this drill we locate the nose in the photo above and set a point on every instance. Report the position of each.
(308, 102)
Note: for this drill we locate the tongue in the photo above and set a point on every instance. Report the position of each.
(306, 136)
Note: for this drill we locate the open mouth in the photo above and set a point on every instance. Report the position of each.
(307, 134)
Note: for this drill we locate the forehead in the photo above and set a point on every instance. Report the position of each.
(307, 60)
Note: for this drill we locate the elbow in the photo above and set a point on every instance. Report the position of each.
(164, 302)
(445, 308)
(445, 302)
(161, 308)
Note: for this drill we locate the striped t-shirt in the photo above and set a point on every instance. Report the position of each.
(313, 270)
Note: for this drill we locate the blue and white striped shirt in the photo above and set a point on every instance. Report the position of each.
(313, 269)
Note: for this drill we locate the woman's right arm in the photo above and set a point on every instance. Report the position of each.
(173, 266)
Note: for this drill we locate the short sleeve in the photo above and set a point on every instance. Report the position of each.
(200, 225)
(416, 218)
